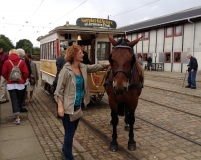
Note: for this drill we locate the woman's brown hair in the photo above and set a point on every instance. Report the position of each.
(71, 52)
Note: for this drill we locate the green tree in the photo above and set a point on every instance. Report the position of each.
(6, 43)
(36, 50)
(26, 45)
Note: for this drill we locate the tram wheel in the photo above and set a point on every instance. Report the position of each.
(97, 98)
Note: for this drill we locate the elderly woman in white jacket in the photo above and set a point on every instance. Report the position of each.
(71, 91)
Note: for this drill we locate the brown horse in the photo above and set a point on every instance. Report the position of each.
(124, 83)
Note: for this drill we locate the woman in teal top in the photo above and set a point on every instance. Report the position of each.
(71, 90)
(79, 90)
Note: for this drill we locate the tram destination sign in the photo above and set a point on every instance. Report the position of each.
(95, 22)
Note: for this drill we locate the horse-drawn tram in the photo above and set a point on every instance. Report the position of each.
(90, 32)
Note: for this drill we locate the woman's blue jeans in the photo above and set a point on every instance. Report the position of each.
(69, 128)
(192, 79)
(16, 97)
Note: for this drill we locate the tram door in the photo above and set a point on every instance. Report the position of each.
(89, 47)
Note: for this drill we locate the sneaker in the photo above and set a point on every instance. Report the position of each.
(188, 87)
(17, 122)
(193, 87)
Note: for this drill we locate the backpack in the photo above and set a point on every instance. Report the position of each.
(15, 74)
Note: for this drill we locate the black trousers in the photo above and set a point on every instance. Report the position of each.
(16, 97)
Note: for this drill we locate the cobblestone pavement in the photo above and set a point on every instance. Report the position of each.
(91, 145)
(152, 142)
(47, 128)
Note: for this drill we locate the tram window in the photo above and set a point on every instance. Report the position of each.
(54, 49)
(177, 56)
(103, 50)
(167, 57)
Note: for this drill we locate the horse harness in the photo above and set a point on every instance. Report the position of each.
(129, 75)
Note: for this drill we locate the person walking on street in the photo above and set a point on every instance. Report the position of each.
(85, 58)
(22, 56)
(15, 88)
(149, 63)
(72, 89)
(33, 78)
(60, 61)
(192, 71)
(3, 90)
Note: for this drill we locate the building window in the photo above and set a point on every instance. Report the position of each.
(167, 57)
(103, 50)
(144, 56)
(146, 36)
(178, 30)
(177, 57)
(168, 32)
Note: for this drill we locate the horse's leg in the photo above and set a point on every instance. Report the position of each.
(131, 142)
(114, 144)
(126, 118)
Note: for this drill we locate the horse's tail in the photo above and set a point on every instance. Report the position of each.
(121, 109)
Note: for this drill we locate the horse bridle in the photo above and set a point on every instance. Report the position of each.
(129, 74)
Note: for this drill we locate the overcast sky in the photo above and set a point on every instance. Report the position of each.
(29, 19)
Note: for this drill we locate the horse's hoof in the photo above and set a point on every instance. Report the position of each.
(127, 127)
(132, 146)
(113, 147)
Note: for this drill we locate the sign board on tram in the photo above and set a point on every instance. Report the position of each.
(95, 22)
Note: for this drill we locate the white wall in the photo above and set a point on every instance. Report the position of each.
(177, 46)
(197, 45)
(160, 39)
(168, 44)
(176, 67)
(152, 40)
(167, 67)
(145, 46)
(188, 37)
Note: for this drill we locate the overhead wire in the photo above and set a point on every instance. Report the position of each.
(29, 19)
(61, 17)
(134, 8)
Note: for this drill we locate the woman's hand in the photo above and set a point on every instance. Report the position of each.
(107, 64)
(61, 111)
(60, 108)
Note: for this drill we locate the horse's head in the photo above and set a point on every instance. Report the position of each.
(122, 60)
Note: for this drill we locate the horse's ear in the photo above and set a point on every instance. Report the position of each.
(131, 44)
(114, 43)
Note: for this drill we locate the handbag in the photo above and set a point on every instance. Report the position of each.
(32, 80)
(76, 115)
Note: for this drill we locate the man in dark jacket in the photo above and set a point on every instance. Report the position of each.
(192, 71)
(60, 61)
(149, 63)
(3, 90)
(85, 57)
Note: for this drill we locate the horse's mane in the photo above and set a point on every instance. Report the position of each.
(123, 41)
(140, 69)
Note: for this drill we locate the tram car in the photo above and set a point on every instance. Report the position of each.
(96, 43)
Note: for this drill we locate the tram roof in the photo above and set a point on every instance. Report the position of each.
(175, 18)
(82, 30)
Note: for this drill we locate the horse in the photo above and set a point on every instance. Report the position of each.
(123, 85)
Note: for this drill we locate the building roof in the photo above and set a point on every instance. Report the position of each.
(82, 30)
(178, 17)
